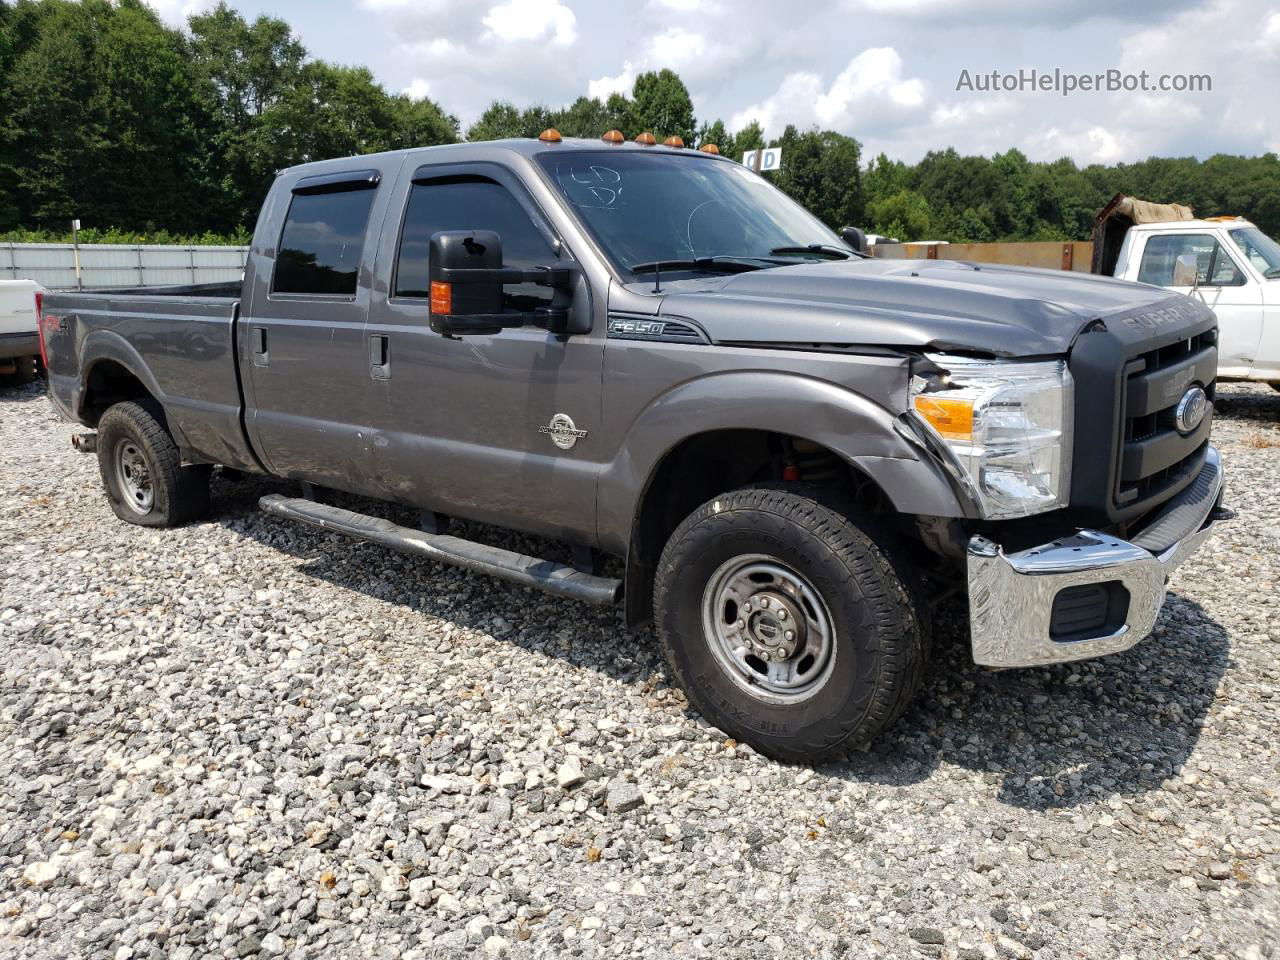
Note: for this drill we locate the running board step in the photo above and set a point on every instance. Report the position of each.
(527, 571)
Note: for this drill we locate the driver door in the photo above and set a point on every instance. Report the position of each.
(463, 424)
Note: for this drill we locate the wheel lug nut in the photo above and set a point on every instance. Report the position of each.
(764, 602)
(742, 624)
(782, 614)
(790, 635)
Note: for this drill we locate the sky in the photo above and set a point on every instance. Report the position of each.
(903, 76)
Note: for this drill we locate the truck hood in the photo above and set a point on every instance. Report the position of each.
(926, 304)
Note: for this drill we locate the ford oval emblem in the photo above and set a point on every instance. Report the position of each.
(1191, 410)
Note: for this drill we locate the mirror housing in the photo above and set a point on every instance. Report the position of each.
(467, 277)
(855, 238)
(1185, 270)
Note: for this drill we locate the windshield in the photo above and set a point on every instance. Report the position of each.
(651, 208)
(1262, 251)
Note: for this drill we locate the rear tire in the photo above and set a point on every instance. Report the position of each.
(25, 371)
(142, 469)
(747, 565)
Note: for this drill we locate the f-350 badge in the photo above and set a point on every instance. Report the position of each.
(563, 432)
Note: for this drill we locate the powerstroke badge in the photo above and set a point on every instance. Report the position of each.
(563, 431)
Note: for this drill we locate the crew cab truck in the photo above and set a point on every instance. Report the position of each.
(649, 352)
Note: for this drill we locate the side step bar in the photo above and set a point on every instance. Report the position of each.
(518, 568)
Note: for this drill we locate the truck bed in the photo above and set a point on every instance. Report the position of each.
(178, 342)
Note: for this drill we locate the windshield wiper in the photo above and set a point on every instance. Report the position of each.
(713, 264)
(822, 248)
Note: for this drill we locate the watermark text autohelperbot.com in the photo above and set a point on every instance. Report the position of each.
(1065, 83)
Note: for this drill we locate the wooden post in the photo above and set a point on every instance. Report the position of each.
(1068, 256)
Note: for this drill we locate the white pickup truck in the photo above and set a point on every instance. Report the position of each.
(19, 340)
(1229, 264)
(1225, 262)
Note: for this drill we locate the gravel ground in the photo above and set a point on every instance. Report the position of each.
(250, 739)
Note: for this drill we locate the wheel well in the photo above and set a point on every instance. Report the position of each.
(109, 383)
(706, 464)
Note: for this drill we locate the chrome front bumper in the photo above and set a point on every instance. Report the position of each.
(1012, 596)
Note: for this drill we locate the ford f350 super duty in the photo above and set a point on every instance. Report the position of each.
(649, 352)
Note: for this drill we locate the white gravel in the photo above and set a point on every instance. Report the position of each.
(251, 739)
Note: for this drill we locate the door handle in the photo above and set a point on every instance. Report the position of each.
(380, 357)
(261, 357)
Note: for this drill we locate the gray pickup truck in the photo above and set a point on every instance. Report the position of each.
(650, 353)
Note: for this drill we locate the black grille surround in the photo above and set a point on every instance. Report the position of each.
(1130, 372)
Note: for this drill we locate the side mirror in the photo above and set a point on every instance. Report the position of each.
(1185, 270)
(467, 277)
(855, 238)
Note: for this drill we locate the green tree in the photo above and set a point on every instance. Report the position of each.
(904, 215)
(104, 119)
(661, 104)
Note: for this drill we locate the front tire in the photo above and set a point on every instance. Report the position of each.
(142, 469)
(786, 623)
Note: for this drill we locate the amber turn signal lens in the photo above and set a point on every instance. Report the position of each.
(441, 298)
(613, 136)
(709, 148)
(646, 139)
(550, 135)
(952, 418)
(673, 142)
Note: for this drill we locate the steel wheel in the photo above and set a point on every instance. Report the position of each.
(769, 629)
(134, 477)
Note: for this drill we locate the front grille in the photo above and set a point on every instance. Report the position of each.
(1155, 457)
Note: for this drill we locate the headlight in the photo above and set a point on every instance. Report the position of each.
(1006, 425)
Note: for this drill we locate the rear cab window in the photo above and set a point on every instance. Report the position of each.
(323, 238)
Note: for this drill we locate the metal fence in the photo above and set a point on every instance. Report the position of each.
(53, 265)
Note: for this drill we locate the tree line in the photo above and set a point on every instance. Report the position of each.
(110, 115)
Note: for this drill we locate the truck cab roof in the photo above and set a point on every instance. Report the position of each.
(521, 146)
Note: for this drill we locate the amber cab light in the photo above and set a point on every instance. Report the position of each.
(709, 148)
(613, 136)
(646, 139)
(549, 135)
(673, 142)
(441, 298)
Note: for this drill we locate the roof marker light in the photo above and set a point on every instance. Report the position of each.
(710, 148)
(646, 139)
(673, 142)
(613, 136)
(550, 135)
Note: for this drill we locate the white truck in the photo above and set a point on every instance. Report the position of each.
(1229, 264)
(1225, 262)
(19, 339)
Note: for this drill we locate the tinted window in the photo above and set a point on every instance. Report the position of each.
(322, 242)
(471, 204)
(1214, 265)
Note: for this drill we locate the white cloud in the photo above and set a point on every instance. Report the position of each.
(177, 11)
(1092, 145)
(417, 88)
(871, 90)
(603, 87)
(675, 47)
(533, 20)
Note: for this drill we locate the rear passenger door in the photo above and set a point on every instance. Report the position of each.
(301, 332)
